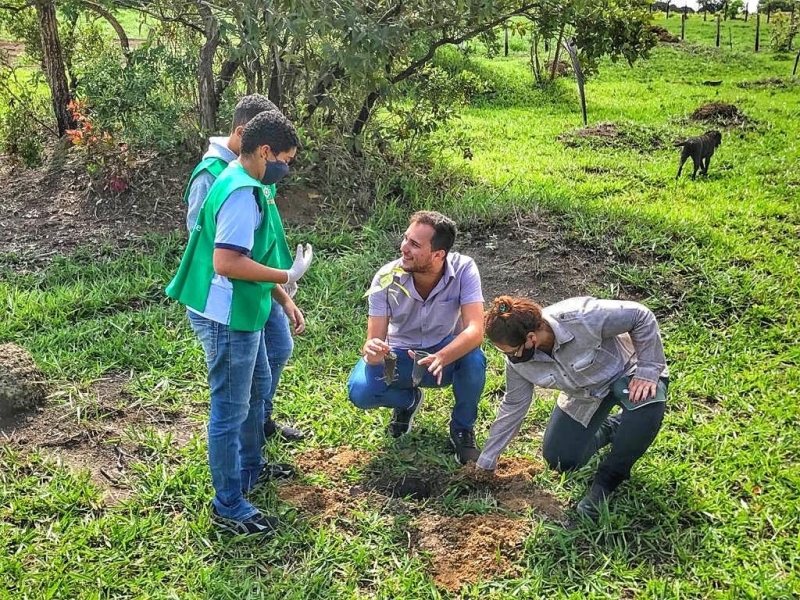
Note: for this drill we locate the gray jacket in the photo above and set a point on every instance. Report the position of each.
(596, 342)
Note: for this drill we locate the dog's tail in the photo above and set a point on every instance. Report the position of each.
(683, 143)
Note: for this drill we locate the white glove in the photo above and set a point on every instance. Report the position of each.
(290, 289)
(302, 261)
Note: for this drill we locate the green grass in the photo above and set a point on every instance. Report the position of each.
(712, 510)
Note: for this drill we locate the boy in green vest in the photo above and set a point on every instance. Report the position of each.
(236, 255)
(285, 317)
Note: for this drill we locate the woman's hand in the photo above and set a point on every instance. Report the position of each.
(639, 389)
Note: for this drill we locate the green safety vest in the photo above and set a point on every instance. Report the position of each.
(252, 300)
(214, 165)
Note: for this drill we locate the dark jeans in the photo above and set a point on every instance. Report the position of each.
(568, 445)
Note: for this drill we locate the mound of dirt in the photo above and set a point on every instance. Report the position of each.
(332, 462)
(664, 36)
(22, 386)
(465, 549)
(719, 113)
(612, 135)
(513, 486)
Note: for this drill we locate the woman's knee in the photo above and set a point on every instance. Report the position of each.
(559, 459)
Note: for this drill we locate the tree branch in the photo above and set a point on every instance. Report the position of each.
(112, 20)
(181, 20)
(415, 66)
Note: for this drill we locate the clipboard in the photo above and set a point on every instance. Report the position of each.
(620, 391)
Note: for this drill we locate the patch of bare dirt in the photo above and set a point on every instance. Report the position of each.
(332, 462)
(720, 113)
(628, 136)
(531, 256)
(10, 51)
(94, 434)
(562, 68)
(318, 502)
(50, 210)
(465, 549)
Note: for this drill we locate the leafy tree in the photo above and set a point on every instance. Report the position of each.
(619, 29)
(712, 6)
(733, 8)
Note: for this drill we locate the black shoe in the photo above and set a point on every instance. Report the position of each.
(608, 429)
(283, 431)
(258, 524)
(463, 442)
(402, 419)
(591, 504)
(273, 471)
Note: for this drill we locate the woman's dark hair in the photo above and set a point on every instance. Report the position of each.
(509, 320)
(271, 129)
(250, 106)
(444, 229)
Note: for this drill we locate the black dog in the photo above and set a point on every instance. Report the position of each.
(701, 149)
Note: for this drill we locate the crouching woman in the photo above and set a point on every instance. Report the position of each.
(599, 354)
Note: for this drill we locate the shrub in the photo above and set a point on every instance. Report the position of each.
(784, 30)
(145, 99)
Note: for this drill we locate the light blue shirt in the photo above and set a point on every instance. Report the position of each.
(237, 220)
(418, 323)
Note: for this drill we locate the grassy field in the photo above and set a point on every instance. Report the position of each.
(712, 510)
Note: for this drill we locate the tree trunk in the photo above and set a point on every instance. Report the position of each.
(275, 79)
(54, 65)
(556, 58)
(209, 106)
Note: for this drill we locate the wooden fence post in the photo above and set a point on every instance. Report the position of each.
(758, 28)
(669, 4)
(718, 26)
(683, 25)
(506, 47)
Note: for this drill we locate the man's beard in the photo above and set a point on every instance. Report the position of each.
(416, 267)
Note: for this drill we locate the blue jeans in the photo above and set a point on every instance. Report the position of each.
(279, 343)
(467, 375)
(239, 378)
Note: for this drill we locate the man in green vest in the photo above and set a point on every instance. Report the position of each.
(285, 318)
(236, 255)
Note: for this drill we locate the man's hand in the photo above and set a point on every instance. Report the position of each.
(435, 363)
(639, 390)
(374, 350)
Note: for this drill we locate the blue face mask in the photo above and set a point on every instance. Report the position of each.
(275, 171)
